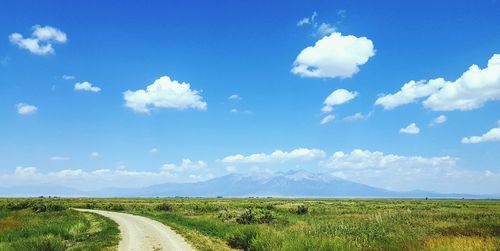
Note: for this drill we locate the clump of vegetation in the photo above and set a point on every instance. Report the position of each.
(242, 238)
(253, 216)
(47, 224)
(165, 207)
(302, 209)
(115, 207)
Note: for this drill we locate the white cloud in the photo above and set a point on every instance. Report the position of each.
(363, 159)
(337, 97)
(470, 91)
(86, 86)
(358, 116)
(58, 158)
(26, 109)
(154, 150)
(164, 93)
(94, 154)
(491, 135)
(24, 171)
(101, 171)
(186, 164)
(68, 77)
(233, 110)
(405, 173)
(276, 156)
(307, 20)
(333, 56)
(68, 173)
(438, 120)
(410, 92)
(234, 97)
(303, 21)
(322, 29)
(410, 129)
(41, 39)
(325, 29)
(327, 119)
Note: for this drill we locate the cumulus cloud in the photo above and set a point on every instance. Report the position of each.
(410, 92)
(441, 119)
(40, 42)
(470, 91)
(327, 119)
(410, 129)
(164, 93)
(337, 97)
(24, 171)
(86, 86)
(186, 164)
(363, 159)
(26, 109)
(276, 156)
(334, 56)
(404, 173)
(491, 135)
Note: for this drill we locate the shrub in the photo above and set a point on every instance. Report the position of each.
(115, 207)
(251, 216)
(18, 205)
(301, 209)
(242, 238)
(47, 207)
(165, 207)
(247, 217)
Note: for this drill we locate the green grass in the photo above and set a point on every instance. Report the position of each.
(47, 225)
(329, 224)
(297, 224)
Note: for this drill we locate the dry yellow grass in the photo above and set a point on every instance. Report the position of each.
(462, 243)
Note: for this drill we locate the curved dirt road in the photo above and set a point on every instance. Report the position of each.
(140, 233)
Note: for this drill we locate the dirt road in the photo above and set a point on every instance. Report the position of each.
(140, 233)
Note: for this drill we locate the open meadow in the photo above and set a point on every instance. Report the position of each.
(260, 224)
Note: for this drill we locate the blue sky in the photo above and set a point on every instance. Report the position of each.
(60, 130)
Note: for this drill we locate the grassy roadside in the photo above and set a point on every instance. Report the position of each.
(266, 224)
(47, 225)
(316, 224)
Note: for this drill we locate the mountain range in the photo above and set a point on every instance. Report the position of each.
(278, 184)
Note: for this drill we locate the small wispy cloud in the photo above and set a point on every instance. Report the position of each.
(86, 86)
(68, 77)
(410, 129)
(26, 109)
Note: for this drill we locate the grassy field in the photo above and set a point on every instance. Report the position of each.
(281, 224)
(45, 225)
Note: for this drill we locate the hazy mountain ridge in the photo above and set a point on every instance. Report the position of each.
(278, 184)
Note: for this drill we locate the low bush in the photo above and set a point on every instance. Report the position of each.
(242, 238)
(253, 216)
(301, 209)
(165, 207)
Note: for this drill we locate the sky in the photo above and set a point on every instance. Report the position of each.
(401, 96)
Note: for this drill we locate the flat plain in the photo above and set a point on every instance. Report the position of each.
(259, 223)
